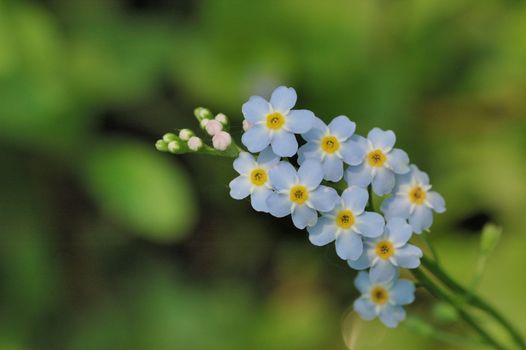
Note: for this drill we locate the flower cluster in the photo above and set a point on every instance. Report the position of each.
(332, 155)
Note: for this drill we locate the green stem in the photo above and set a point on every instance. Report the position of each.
(370, 204)
(427, 242)
(473, 299)
(437, 292)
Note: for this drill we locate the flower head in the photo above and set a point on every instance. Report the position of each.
(332, 145)
(413, 199)
(275, 123)
(383, 298)
(221, 140)
(380, 164)
(253, 178)
(347, 223)
(299, 193)
(385, 254)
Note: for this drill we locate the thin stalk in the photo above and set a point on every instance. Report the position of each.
(474, 300)
(424, 238)
(437, 292)
(370, 204)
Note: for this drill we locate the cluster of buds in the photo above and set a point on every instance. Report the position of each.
(186, 141)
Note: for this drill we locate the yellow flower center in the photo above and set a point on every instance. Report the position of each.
(376, 158)
(299, 194)
(275, 120)
(417, 195)
(258, 177)
(379, 295)
(330, 144)
(345, 219)
(384, 249)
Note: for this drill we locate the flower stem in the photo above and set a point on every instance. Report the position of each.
(440, 294)
(473, 299)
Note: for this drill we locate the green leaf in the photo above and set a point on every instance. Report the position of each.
(142, 189)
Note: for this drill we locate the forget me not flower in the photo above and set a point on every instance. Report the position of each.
(383, 298)
(385, 254)
(332, 145)
(275, 123)
(347, 223)
(254, 178)
(381, 163)
(299, 193)
(413, 200)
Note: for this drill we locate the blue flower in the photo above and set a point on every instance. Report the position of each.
(380, 164)
(299, 193)
(332, 145)
(385, 254)
(275, 123)
(347, 223)
(383, 298)
(413, 200)
(254, 178)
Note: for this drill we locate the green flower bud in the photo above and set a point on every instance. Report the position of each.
(202, 113)
(185, 134)
(489, 239)
(174, 147)
(168, 137)
(161, 146)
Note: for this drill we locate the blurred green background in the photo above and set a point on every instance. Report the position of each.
(109, 244)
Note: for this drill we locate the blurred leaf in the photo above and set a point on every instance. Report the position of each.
(489, 239)
(139, 187)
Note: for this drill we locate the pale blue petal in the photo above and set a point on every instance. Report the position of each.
(402, 180)
(437, 202)
(255, 109)
(399, 231)
(279, 205)
(360, 175)
(316, 133)
(300, 121)
(396, 206)
(349, 245)
(398, 161)
(268, 158)
(332, 168)
(408, 256)
(244, 163)
(362, 263)
(303, 216)
(419, 175)
(310, 173)
(309, 151)
(342, 127)
(284, 144)
(403, 292)
(283, 99)
(259, 197)
(370, 224)
(353, 152)
(362, 282)
(323, 232)
(283, 176)
(421, 219)
(240, 187)
(324, 198)
(256, 139)
(383, 182)
(381, 139)
(382, 271)
(391, 316)
(365, 308)
(355, 199)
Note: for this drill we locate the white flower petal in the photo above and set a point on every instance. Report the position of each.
(381, 139)
(279, 205)
(349, 245)
(365, 308)
(421, 219)
(437, 201)
(355, 199)
(240, 187)
(283, 99)
(362, 282)
(300, 121)
(342, 127)
(396, 206)
(244, 163)
(256, 139)
(399, 231)
(303, 216)
(383, 182)
(398, 161)
(360, 175)
(310, 173)
(324, 198)
(392, 315)
(323, 232)
(332, 168)
(403, 292)
(370, 224)
(259, 197)
(283, 176)
(255, 109)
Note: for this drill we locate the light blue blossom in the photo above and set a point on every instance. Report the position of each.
(253, 178)
(385, 254)
(413, 200)
(380, 164)
(299, 193)
(383, 298)
(275, 123)
(347, 223)
(332, 145)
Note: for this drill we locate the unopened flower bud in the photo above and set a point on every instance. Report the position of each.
(161, 146)
(222, 118)
(202, 113)
(221, 140)
(203, 123)
(168, 137)
(213, 127)
(185, 134)
(173, 146)
(195, 143)
(246, 125)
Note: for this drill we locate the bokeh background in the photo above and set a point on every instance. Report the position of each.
(108, 244)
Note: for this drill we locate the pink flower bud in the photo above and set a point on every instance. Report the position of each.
(246, 125)
(221, 140)
(195, 143)
(221, 118)
(213, 127)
